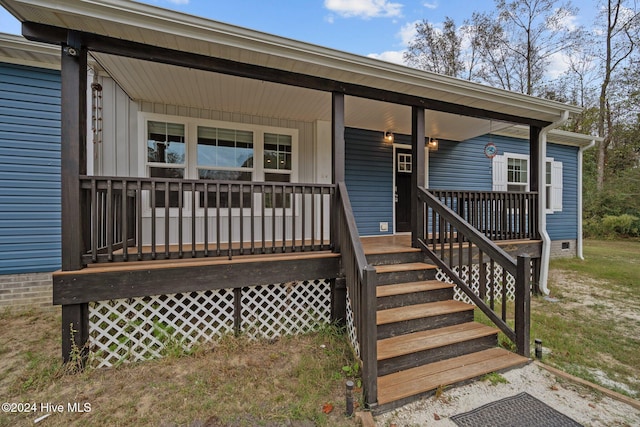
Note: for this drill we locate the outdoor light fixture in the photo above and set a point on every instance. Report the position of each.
(538, 348)
(349, 397)
(388, 136)
(432, 144)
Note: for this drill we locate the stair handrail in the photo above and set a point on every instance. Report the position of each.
(361, 284)
(519, 269)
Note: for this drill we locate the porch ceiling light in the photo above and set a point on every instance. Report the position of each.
(388, 136)
(433, 144)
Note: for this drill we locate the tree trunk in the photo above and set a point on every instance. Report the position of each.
(603, 132)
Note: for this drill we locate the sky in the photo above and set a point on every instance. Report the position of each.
(376, 28)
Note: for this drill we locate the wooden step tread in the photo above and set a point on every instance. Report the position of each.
(434, 338)
(429, 377)
(411, 266)
(411, 287)
(419, 311)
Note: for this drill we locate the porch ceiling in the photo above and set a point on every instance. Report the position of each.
(173, 85)
(139, 23)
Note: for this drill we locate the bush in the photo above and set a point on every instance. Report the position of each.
(592, 228)
(612, 226)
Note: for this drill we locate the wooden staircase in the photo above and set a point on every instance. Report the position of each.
(426, 339)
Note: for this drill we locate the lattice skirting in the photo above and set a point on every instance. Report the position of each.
(351, 328)
(142, 328)
(500, 287)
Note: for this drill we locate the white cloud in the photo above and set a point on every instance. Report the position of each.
(430, 5)
(408, 32)
(364, 8)
(558, 64)
(395, 56)
(564, 20)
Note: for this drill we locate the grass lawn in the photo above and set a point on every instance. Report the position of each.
(593, 329)
(290, 381)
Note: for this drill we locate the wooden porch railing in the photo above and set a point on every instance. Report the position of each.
(135, 219)
(361, 286)
(457, 247)
(499, 215)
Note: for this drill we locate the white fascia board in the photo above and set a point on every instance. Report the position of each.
(555, 136)
(178, 25)
(18, 50)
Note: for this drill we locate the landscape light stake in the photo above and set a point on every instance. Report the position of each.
(349, 397)
(538, 348)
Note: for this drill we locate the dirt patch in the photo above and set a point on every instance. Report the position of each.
(237, 383)
(581, 292)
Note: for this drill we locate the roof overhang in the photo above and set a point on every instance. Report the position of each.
(150, 33)
(556, 136)
(18, 50)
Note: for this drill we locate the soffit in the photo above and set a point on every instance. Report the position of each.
(167, 84)
(155, 26)
(17, 50)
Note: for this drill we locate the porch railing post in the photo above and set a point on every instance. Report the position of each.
(523, 304)
(73, 156)
(338, 157)
(75, 333)
(417, 175)
(369, 340)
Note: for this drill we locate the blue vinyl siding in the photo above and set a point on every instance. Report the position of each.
(369, 179)
(463, 165)
(564, 225)
(29, 169)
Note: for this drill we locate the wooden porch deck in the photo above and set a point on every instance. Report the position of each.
(372, 245)
(399, 243)
(407, 294)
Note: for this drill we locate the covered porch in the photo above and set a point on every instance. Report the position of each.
(141, 219)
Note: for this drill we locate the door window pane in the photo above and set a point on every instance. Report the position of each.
(404, 162)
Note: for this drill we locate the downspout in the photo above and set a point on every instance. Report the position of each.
(542, 205)
(580, 239)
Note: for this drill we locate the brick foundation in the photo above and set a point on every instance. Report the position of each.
(564, 248)
(26, 290)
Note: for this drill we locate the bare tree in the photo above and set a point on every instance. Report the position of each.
(437, 50)
(536, 30)
(495, 64)
(620, 41)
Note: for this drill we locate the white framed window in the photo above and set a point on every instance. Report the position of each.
(188, 148)
(166, 156)
(225, 154)
(511, 173)
(517, 174)
(277, 166)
